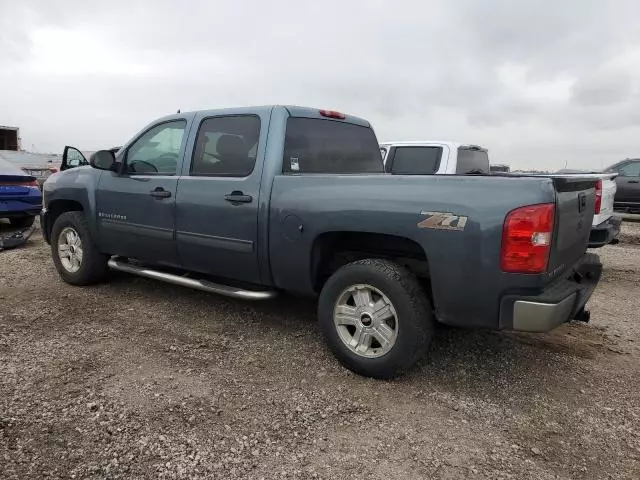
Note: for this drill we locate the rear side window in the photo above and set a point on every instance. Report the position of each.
(416, 160)
(226, 146)
(472, 160)
(327, 146)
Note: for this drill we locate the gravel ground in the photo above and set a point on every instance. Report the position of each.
(139, 379)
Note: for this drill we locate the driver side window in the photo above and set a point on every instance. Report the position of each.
(157, 151)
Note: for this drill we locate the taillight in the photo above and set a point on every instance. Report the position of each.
(598, 195)
(53, 170)
(27, 183)
(333, 114)
(526, 239)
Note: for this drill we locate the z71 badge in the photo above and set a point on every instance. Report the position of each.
(443, 221)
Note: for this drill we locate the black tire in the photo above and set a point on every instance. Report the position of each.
(413, 311)
(93, 267)
(22, 222)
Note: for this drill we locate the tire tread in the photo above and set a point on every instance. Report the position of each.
(421, 325)
(95, 268)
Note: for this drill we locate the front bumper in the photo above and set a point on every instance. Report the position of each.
(560, 302)
(605, 233)
(44, 225)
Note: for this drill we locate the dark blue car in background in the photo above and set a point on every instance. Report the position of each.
(20, 196)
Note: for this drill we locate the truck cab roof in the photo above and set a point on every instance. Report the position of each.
(292, 110)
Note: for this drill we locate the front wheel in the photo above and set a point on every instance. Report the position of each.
(75, 255)
(375, 317)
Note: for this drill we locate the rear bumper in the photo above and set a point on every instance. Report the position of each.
(604, 233)
(21, 210)
(560, 302)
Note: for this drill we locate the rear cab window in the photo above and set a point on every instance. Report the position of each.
(472, 160)
(417, 160)
(329, 146)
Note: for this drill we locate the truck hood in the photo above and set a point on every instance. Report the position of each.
(73, 172)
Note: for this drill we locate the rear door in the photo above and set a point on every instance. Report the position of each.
(136, 205)
(218, 196)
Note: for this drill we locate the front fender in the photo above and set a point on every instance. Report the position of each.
(64, 189)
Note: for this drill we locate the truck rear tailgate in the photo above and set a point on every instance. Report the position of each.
(575, 202)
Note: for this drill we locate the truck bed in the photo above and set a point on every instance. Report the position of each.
(461, 262)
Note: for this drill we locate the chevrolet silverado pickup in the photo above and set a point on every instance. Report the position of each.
(250, 202)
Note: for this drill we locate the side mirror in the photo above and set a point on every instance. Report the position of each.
(103, 160)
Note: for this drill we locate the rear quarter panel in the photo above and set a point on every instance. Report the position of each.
(463, 264)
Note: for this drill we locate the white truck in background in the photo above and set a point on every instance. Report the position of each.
(431, 157)
(606, 226)
(434, 158)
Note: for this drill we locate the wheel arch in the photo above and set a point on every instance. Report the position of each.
(55, 209)
(332, 250)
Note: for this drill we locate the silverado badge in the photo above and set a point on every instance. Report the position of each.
(443, 221)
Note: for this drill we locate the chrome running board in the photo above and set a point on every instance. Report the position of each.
(122, 265)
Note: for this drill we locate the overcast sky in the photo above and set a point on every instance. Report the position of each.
(539, 83)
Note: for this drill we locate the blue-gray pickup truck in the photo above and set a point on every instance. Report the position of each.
(249, 202)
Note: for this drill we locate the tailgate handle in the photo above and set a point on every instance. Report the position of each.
(582, 201)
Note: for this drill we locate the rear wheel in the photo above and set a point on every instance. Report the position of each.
(75, 255)
(375, 317)
(22, 222)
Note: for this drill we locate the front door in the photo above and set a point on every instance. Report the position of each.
(628, 183)
(71, 158)
(217, 199)
(136, 206)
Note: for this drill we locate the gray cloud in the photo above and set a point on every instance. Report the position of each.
(537, 83)
(603, 88)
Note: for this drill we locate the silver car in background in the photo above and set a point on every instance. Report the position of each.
(38, 165)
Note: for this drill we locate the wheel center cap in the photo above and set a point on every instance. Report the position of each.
(366, 319)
